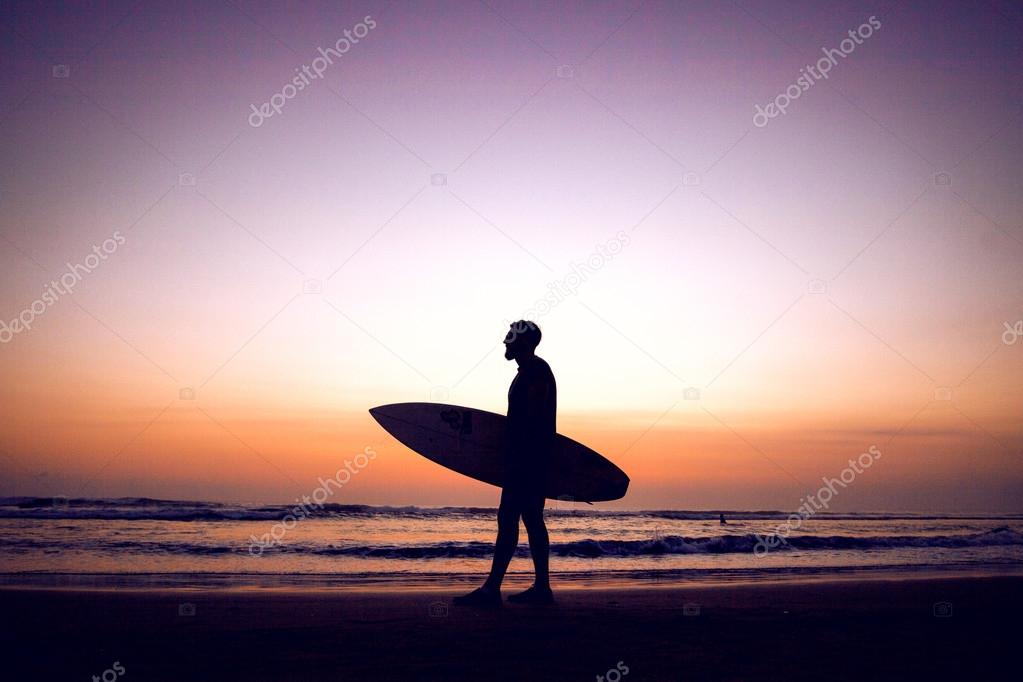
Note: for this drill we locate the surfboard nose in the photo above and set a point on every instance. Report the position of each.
(381, 411)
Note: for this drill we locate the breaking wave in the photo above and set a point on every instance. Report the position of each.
(587, 548)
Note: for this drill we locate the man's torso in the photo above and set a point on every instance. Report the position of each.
(532, 421)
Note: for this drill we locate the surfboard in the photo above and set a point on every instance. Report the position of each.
(472, 442)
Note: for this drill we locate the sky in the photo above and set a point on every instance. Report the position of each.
(733, 306)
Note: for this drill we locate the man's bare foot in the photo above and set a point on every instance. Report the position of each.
(534, 595)
(482, 597)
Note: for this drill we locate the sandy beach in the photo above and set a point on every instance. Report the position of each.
(940, 628)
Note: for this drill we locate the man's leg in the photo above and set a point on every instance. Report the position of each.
(507, 538)
(539, 541)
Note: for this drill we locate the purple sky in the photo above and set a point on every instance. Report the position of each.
(814, 273)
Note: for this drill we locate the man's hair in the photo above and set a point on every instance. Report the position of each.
(527, 331)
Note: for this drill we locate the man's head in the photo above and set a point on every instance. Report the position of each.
(521, 340)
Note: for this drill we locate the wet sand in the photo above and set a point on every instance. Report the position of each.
(849, 629)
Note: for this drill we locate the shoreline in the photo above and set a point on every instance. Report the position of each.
(406, 582)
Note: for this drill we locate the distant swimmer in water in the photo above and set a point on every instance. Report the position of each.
(722, 520)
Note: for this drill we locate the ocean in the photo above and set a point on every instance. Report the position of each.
(125, 542)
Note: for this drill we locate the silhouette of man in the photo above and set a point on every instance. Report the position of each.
(532, 409)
